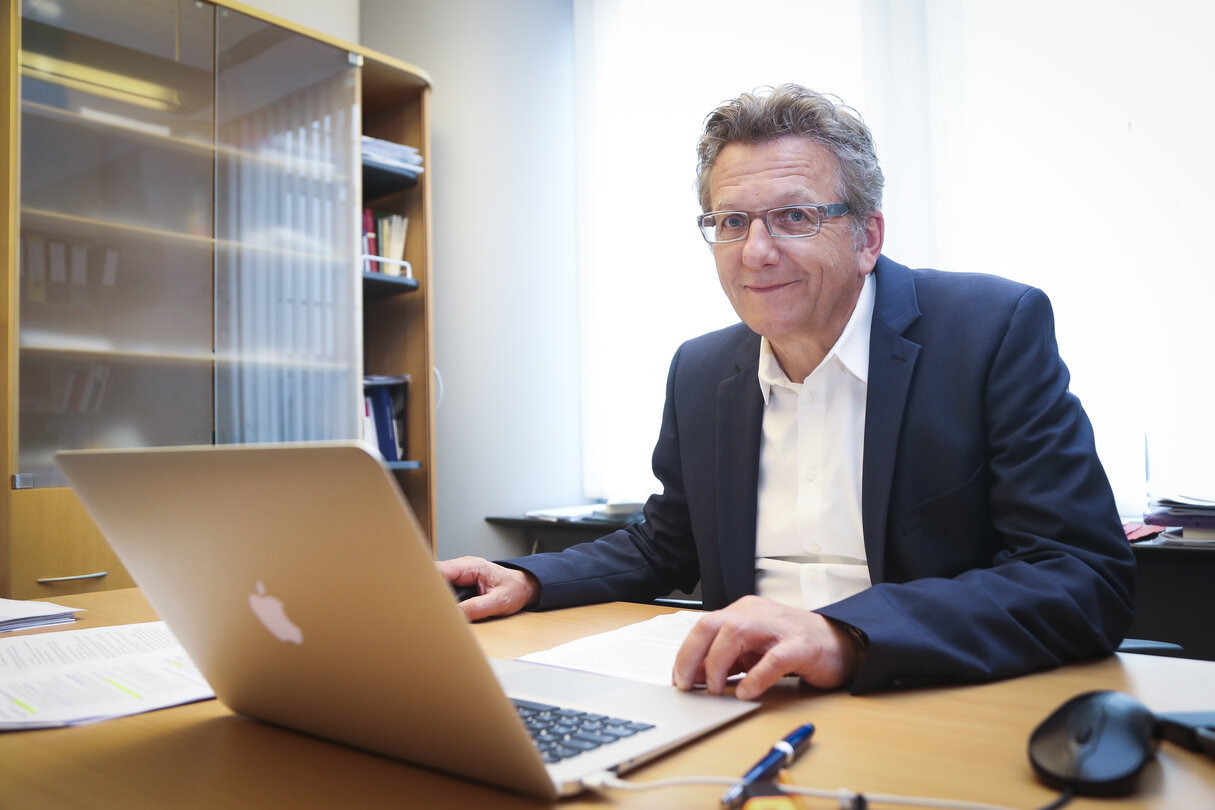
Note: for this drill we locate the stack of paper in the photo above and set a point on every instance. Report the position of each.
(16, 614)
(611, 512)
(390, 155)
(1190, 520)
(563, 512)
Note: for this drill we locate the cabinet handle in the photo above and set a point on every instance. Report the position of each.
(49, 580)
(442, 388)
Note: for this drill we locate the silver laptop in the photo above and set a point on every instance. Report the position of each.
(300, 583)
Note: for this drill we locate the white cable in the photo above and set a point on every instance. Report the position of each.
(847, 796)
(603, 781)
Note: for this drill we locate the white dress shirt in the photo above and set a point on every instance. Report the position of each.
(810, 548)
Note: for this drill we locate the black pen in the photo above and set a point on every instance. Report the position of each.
(783, 752)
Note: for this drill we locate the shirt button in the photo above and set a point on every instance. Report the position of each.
(816, 548)
(811, 475)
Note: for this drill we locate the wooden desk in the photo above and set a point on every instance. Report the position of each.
(960, 743)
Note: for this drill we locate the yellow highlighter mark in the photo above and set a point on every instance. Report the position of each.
(117, 685)
(22, 704)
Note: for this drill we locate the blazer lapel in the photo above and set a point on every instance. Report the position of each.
(740, 410)
(892, 361)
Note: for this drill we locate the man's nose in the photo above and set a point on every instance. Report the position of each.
(759, 247)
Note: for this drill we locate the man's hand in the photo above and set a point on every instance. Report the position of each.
(503, 591)
(767, 640)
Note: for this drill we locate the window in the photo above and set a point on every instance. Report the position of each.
(1049, 154)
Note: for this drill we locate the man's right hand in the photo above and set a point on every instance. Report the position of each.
(503, 591)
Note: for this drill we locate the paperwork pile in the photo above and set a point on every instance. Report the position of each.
(1190, 520)
(19, 614)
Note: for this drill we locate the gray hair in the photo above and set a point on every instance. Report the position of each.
(795, 110)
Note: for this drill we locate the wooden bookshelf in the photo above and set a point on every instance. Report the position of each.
(111, 336)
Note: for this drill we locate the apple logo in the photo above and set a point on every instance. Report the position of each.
(269, 611)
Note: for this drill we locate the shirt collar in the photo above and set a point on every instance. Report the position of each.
(851, 350)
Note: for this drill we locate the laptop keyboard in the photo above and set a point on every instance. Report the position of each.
(564, 733)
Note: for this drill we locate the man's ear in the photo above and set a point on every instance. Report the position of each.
(871, 243)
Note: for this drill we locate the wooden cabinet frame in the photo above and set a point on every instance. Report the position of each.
(45, 534)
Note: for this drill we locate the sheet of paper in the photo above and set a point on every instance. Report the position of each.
(564, 512)
(644, 651)
(22, 614)
(81, 676)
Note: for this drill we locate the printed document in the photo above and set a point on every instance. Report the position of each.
(82, 676)
(644, 651)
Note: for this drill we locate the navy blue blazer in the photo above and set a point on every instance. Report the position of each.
(993, 542)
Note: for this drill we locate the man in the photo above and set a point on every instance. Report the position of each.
(879, 478)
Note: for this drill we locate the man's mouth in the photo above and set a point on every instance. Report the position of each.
(768, 287)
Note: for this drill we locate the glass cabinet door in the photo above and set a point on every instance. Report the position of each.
(187, 270)
(116, 250)
(288, 302)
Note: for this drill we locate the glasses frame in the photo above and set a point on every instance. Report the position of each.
(826, 211)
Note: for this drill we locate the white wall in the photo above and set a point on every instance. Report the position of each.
(337, 18)
(504, 275)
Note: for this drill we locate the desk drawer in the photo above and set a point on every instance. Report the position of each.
(54, 547)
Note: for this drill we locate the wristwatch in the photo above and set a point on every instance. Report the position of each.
(857, 633)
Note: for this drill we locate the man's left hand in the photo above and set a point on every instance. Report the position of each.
(768, 641)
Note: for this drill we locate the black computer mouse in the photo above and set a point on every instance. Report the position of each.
(463, 592)
(1096, 743)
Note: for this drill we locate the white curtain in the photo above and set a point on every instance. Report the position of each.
(1056, 143)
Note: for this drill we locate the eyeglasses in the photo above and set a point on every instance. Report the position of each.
(785, 222)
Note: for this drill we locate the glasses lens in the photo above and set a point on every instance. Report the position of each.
(794, 220)
(724, 226)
